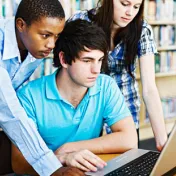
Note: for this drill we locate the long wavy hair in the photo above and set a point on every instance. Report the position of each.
(130, 34)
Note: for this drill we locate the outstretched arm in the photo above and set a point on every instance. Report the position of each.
(152, 99)
(84, 160)
(21, 131)
(123, 138)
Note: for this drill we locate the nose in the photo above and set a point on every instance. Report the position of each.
(129, 11)
(96, 68)
(51, 43)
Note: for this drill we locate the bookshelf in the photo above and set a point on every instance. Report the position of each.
(161, 15)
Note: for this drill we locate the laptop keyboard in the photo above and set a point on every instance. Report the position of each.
(141, 166)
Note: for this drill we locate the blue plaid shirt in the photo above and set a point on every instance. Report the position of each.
(116, 63)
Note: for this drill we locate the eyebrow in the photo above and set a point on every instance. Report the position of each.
(91, 58)
(50, 32)
(130, 2)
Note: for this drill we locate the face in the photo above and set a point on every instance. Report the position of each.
(125, 11)
(84, 71)
(39, 38)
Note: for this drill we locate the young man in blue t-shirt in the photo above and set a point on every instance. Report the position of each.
(76, 100)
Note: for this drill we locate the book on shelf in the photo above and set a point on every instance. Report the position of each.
(169, 108)
(165, 62)
(165, 35)
(161, 10)
(72, 6)
(8, 8)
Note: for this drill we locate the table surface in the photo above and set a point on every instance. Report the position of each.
(107, 157)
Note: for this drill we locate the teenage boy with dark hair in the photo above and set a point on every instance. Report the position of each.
(75, 101)
(23, 43)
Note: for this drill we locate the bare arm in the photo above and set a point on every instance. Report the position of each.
(84, 160)
(152, 99)
(19, 163)
(21, 166)
(123, 138)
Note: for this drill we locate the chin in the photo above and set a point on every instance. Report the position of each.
(90, 85)
(122, 25)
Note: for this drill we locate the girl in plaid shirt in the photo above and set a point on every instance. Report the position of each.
(130, 39)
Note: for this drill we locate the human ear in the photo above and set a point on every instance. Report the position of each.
(20, 24)
(62, 59)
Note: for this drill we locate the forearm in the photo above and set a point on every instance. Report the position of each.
(154, 108)
(19, 163)
(116, 142)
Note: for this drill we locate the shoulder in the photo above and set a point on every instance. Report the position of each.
(32, 88)
(146, 29)
(106, 82)
(81, 15)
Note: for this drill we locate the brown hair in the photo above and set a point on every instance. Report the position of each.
(130, 34)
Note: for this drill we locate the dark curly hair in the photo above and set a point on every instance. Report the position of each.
(33, 10)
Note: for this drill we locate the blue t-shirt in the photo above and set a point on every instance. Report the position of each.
(60, 122)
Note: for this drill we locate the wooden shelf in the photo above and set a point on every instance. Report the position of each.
(166, 48)
(167, 120)
(161, 75)
(146, 130)
(167, 74)
(162, 22)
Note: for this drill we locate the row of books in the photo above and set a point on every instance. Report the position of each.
(168, 106)
(165, 62)
(8, 7)
(161, 9)
(165, 35)
(72, 6)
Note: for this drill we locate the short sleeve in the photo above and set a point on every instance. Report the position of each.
(80, 15)
(115, 108)
(25, 99)
(146, 43)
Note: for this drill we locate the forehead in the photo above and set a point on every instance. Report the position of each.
(133, 1)
(91, 53)
(49, 24)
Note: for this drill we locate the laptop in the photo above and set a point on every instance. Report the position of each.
(140, 162)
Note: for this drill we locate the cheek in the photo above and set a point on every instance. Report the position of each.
(135, 13)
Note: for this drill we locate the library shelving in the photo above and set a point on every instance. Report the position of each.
(161, 15)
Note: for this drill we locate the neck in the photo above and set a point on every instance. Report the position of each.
(22, 49)
(69, 90)
(114, 31)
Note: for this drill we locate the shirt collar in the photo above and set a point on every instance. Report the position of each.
(94, 89)
(10, 43)
(51, 87)
(11, 49)
(52, 90)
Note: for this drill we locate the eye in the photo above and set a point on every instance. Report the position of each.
(136, 7)
(100, 60)
(86, 61)
(57, 36)
(124, 4)
(45, 36)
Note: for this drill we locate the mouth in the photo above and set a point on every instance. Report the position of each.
(92, 78)
(46, 53)
(125, 19)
